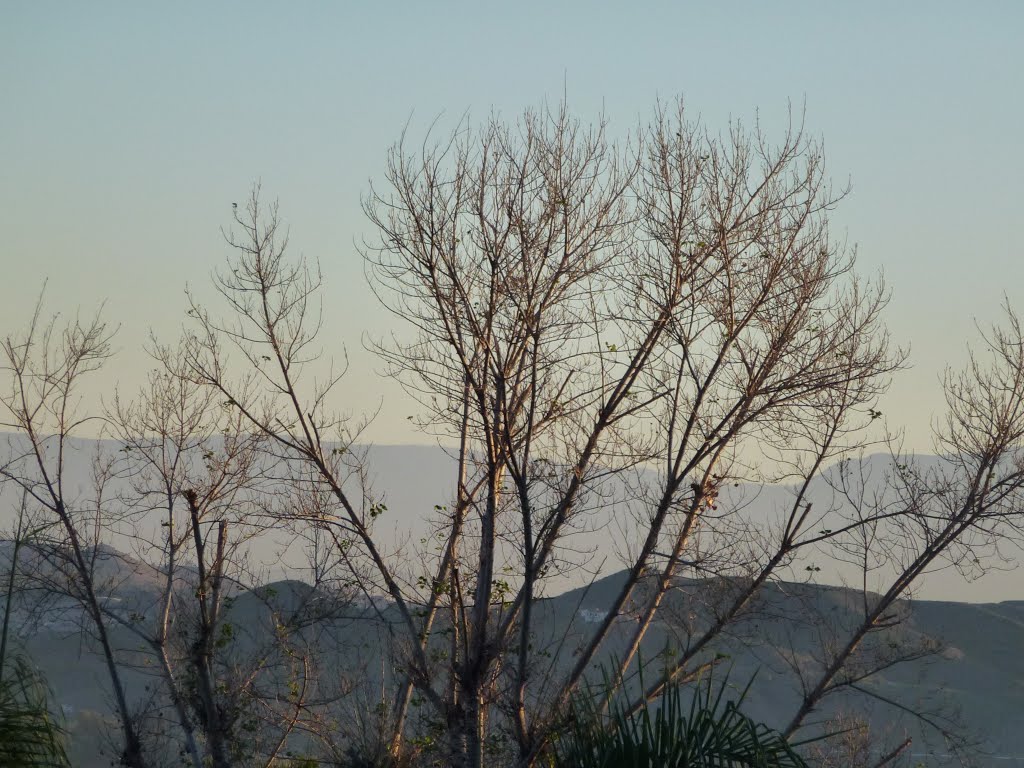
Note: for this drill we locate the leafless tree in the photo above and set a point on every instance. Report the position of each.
(580, 312)
(44, 368)
(676, 305)
(951, 512)
(610, 338)
(189, 488)
(240, 681)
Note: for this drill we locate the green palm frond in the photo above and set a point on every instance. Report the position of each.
(702, 733)
(29, 735)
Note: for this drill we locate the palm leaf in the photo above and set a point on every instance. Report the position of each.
(706, 734)
(29, 735)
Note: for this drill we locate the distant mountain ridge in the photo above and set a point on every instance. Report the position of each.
(978, 667)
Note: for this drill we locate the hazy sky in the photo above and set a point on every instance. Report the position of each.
(129, 128)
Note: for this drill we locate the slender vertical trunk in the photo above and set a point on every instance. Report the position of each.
(179, 708)
(132, 756)
(522, 727)
(160, 642)
(215, 730)
(212, 722)
(478, 659)
(474, 731)
(448, 570)
(9, 601)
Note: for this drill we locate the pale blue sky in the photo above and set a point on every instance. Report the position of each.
(128, 129)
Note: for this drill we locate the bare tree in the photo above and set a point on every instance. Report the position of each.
(610, 338)
(240, 685)
(601, 309)
(44, 367)
(922, 516)
(580, 312)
